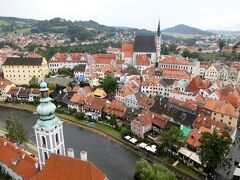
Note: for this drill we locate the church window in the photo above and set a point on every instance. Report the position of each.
(45, 156)
(56, 136)
(43, 141)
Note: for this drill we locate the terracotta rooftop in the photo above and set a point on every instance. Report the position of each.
(61, 168)
(202, 121)
(115, 108)
(127, 49)
(104, 58)
(193, 138)
(25, 167)
(221, 107)
(4, 83)
(65, 57)
(146, 101)
(125, 91)
(174, 60)
(142, 60)
(175, 74)
(189, 104)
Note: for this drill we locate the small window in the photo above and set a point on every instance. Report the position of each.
(45, 156)
(229, 123)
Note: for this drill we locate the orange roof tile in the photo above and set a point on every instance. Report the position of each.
(146, 101)
(24, 167)
(221, 107)
(62, 168)
(174, 60)
(104, 58)
(193, 138)
(142, 60)
(127, 49)
(175, 74)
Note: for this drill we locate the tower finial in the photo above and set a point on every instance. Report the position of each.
(158, 30)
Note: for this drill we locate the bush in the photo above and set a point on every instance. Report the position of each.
(80, 115)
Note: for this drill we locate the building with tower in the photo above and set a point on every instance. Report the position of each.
(48, 129)
(148, 45)
(158, 42)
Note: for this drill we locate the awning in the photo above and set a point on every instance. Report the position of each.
(142, 145)
(237, 172)
(184, 151)
(127, 137)
(194, 156)
(148, 148)
(133, 140)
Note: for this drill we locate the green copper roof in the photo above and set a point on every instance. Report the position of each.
(47, 119)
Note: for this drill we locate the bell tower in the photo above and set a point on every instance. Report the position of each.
(158, 42)
(48, 129)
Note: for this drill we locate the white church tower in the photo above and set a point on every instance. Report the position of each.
(48, 129)
(158, 42)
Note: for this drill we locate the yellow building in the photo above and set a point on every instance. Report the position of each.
(21, 70)
(222, 111)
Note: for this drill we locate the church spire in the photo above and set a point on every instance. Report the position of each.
(48, 129)
(158, 29)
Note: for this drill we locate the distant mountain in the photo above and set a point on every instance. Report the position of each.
(184, 29)
(226, 33)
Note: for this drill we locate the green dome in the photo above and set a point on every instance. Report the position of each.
(45, 109)
(43, 84)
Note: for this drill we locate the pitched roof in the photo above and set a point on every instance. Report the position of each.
(146, 101)
(144, 44)
(115, 107)
(127, 49)
(142, 60)
(4, 83)
(62, 168)
(175, 74)
(193, 138)
(9, 153)
(195, 84)
(104, 58)
(125, 91)
(174, 60)
(221, 107)
(23, 61)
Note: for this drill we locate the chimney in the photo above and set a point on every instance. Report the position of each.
(16, 147)
(153, 115)
(36, 165)
(83, 155)
(23, 156)
(70, 152)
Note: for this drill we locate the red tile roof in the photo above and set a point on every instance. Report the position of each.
(104, 58)
(24, 167)
(221, 107)
(175, 74)
(62, 57)
(61, 168)
(174, 60)
(203, 121)
(193, 138)
(146, 101)
(115, 108)
(142, 60)
(189, 104)
(127, 49)
(4, 83)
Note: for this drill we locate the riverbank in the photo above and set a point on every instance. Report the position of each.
(111, 134)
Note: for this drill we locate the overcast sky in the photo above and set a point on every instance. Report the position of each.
(204, 14)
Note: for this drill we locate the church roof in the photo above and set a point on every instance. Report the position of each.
(144, 44)
(69, 168)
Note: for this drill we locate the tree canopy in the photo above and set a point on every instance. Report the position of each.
(15, 130)
(52, 85)
(33, 82)
(109, 84)
(173, 139)
(146, 171)
(66, 71)
(213, 149)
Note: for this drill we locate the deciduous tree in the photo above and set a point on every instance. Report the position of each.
(146, 171)
(213, 149)
(15, 130)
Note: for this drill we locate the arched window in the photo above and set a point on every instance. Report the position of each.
(45, 156)
(43, 141)
(58, 151)
(56, 137)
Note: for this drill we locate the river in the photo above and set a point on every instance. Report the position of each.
(113, 159)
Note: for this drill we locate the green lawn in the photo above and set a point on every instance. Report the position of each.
(26, 30)
(188, 170)
(4, 23)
